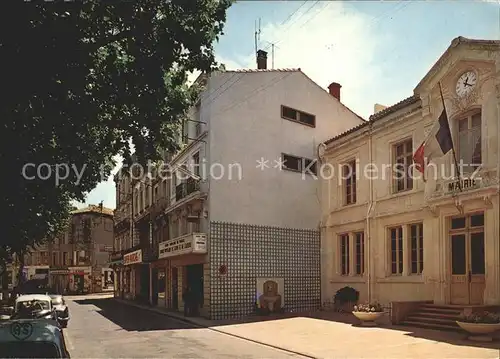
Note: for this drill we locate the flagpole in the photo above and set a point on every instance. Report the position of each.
(452, 147)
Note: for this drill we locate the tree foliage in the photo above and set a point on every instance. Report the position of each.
(80, 79)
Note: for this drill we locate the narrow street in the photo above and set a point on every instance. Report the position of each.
(103, 328)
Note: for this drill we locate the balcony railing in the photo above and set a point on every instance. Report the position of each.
(186, 188)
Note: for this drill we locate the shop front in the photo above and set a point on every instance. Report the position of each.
(116, 265)
(187, 264)
(132, 263)
(80, 280)
(160, 274)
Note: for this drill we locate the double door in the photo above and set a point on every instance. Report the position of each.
(467, 264)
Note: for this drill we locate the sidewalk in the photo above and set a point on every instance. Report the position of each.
(333, 335)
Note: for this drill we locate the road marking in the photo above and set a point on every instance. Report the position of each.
(67, 339)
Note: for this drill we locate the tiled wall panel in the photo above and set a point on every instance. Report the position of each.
(250, 252)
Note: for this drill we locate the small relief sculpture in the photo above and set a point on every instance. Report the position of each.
(271, 299)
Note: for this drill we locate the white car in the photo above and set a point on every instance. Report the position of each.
(37, 306)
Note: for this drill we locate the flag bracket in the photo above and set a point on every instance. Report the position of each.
(460, 206)
(487, 201)
(433, 210)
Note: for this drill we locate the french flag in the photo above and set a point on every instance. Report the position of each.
(438, 143)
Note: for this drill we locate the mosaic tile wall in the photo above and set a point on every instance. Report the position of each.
(250, 252)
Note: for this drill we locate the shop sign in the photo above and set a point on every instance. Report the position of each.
(191, 243)
(132, 258)
(59, 271)
(115, 257)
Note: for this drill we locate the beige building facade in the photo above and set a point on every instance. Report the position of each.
(395, 237)
(77, 260)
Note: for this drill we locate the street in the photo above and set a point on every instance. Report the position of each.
(103, 328)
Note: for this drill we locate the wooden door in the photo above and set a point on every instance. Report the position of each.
(459, 273)
(467, 267)
(477, 280)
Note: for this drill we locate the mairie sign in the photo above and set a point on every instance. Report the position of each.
(464, 184)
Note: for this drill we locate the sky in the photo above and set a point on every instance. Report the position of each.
(377, 50)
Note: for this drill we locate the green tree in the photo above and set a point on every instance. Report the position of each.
(82, 79)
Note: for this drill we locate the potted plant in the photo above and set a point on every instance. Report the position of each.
(345, 299)
(480, 325)
(368, 313)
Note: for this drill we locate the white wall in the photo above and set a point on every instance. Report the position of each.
(246, 125)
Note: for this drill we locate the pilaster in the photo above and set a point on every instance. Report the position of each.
(492, 254)
(441, 253)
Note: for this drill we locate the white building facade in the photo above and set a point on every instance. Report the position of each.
(402, 239)
(250, 213)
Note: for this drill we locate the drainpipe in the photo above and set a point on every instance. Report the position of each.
(368, 215)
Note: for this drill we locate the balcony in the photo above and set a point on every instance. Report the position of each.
(195, 243)
(186, 188)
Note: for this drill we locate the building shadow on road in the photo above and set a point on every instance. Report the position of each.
(131, 318)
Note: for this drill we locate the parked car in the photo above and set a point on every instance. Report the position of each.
(34, 306)
(61, 308)
(28, 338)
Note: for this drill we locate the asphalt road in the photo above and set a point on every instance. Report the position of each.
(103, 328)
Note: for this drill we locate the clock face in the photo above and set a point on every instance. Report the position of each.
(466, 83)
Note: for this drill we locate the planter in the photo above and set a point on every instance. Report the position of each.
(368, 318)
(479, 331)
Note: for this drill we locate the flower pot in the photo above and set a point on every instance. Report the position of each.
(479, 331)
(368, 318)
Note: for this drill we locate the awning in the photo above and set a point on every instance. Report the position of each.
(116, 263)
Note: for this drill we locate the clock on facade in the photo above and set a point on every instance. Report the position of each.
(466, 83)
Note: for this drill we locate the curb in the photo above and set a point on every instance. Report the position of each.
(190, 321)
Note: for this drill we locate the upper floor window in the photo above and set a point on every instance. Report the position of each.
(469, 142)
(299, 164)
(155, 194)
(289, 113)
(196, 163)
(349, 179)
(403, 160)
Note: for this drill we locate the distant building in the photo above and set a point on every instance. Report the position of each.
(77, 260)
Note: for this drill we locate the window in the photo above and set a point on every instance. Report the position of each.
(349, 177)
(403, 160)
(396, 245)
(54, 259)
(196, 163)
(197, 130)
(469, 142)
(298, 164)
(65, 258)
(291, 114)
(155, 194)
(344, 251)
(417, 248)
(359, 253)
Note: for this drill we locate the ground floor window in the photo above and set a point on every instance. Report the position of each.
(356, 256)
(406, 242)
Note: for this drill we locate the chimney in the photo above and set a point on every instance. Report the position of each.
(378, 107)
(334, 90)
(261, 60)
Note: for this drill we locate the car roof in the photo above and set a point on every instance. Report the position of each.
(31, 330)
(28, 297)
